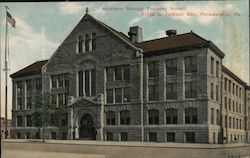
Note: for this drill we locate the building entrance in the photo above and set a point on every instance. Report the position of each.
(87, 130)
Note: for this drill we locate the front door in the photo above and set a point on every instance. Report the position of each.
(87, 129)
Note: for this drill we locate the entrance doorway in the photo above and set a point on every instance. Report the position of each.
(87, 130)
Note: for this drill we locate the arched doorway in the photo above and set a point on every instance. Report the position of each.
(87, 130)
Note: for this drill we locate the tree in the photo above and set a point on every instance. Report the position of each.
(46, 113)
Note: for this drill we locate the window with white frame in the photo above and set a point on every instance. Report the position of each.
(171, 66)
(87, 82)
(190, 64)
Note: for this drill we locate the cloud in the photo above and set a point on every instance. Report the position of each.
(25, 46)
(134, 21)
(70, 8)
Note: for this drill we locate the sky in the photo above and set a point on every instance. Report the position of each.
(41, 28)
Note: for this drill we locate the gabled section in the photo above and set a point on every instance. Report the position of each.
(122, 37)
(32, 69)
(83, 102)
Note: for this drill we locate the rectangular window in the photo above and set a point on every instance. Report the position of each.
(190, 137)
(93, 82)
(225, 84)
(60, 99)
(19, 103)
(110, 96)
(110, 118)
(118, 73)
(66, 81)
(60, 80)
(190, 64)
(225, 123)
(66, 95)
(240, 92)
(225, 103)
(19, 121)
(109, 74)
(118, 95)
(233, 87)
(217, 68)
(212, 116)
(124, 136)
(190, 90)
(28, 86)
(230, 122)
(236, 90)
(171, 67)
(170, 137)
(109, 136)
(233, 105)
(28, 102)
(212, 66)
(153, 94)
(217, 92)
(240, 123)
(171, 91)
(38, 84)
(54, 81)
(229, 104)
(153, 69)
(233, 123)
(28, 121)
(152, 137)
(53, 135)
(125, 117)
(18, 135)
(80, 83)
(28, 135)
(212, 90)
(229, 86)
(126, 72)
(87, 84)
(126, 94)
(19, 87)
(217, 117)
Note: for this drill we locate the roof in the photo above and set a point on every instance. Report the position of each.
(32, 69)
(231, 74)
(181, 42)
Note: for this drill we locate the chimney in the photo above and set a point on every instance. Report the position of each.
(135, 34)
(171, 33)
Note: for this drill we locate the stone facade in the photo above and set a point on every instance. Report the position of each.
(113, 89)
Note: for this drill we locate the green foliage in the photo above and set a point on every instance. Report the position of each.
(46, 113)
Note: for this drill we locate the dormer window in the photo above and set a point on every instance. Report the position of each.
(87, 43)
(80, 46)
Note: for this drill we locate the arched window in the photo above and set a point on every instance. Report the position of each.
(93, 41)
(171, 116)
(153, 116)
(80, 41)
(110, 118)
(191, 116)
(125, 117)
(87, 42)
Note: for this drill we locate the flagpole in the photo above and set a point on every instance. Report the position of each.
(0, 90)
(6, 76)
